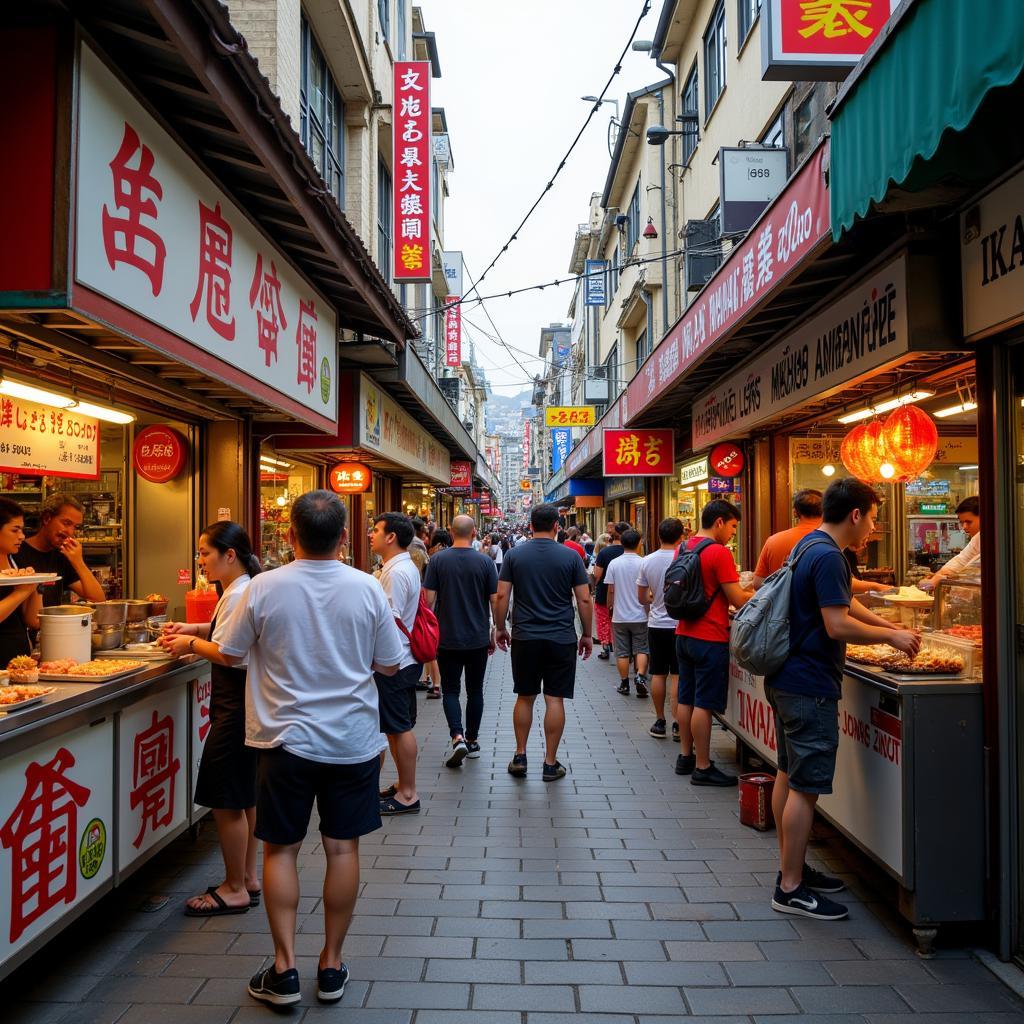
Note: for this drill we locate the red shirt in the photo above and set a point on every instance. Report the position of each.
(717, 567)
(578, 548)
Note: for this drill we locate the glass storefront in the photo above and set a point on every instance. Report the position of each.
(688, 494)
(281, 482)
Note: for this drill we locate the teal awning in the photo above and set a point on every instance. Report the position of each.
(927, 77)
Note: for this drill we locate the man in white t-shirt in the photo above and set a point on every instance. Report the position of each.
(315, 631)
(628, 615)
(661, 627)
(390, 538)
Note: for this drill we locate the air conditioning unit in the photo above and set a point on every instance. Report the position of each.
(702, 252)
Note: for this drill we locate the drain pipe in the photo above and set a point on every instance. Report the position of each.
(670, 74)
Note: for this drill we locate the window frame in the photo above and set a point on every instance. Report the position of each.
(690, 142)
(778, 126)
(384, 17)
(327, 123)
(746, 9)
(401, 29)
(716, 40)
(385, 221)
(633, 219)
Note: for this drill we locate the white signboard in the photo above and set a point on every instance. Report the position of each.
(868, 797)
(750, 179)
(56, 830)
(153, 773)
(991, 248)
(694, 472)
(389, 430)
(40, 440)
(200, 691)
(864, 329)
(452, 263)
(155, 234)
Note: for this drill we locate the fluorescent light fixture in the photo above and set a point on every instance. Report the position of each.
(955, 410)
(31, 394)
(275, 462)
(101, 412)
(886, 406)
(967, 467)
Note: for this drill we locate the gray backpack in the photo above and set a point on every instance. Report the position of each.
(759, 640)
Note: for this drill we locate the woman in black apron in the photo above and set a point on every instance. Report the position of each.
(19, 605)
(227, 771)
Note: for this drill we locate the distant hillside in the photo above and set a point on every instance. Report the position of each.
(497, 403)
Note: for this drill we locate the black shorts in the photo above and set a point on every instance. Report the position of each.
(662, 643)
(396, 699)
(806, 737)
(347, 797)
(543, 665)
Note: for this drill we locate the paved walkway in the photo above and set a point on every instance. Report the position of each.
(619, 895)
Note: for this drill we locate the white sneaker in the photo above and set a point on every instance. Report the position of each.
(458, 753)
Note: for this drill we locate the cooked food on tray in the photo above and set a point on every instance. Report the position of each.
(868, 654)
(910, 594)
(58, 667)
(97, 667)
(927, 662)
(972, 633)
(26, 571)
(17, 694)
(157, 598)
(23, 669)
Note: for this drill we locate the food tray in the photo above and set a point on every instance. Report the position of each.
(27, 702)
(69, 677)
(966, 650)
(123, 652)
(21, 581)
(909, 677)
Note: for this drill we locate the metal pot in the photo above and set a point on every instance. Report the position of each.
(107, 638)
(110, 613)
(64, 632)
(136, 633)
(158, 608)
(138, 611)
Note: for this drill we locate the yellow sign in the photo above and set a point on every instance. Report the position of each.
(525, 485)
(569, 416)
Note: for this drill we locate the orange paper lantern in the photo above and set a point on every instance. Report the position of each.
(911, 438)
(863, 452)
(852, 454)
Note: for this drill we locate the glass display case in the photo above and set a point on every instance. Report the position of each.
(958, 605)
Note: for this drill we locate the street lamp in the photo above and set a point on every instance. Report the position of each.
(658, 134)
(612, 123)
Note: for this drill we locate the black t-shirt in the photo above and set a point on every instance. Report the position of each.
(543, 574)
(603, 560)
(48, 561)
(13, 634)
(464, 581)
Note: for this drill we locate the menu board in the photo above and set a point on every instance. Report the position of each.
(40, 440)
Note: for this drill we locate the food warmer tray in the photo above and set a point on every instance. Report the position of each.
(70, 677)
(6, 709)
(21, 581)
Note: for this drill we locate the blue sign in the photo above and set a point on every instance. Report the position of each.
(562, 347)
(561, 442)
(595, 287)
(723, 485)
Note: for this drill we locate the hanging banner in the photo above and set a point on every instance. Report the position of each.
(462, 473)
(561, 442)
(411, 180)
(595, 285)
(38, 440)
(453, 331)
(570, 416)
(639, 452)
(526, 445)
(452, 263)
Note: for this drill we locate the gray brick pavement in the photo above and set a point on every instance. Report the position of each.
(619, 895)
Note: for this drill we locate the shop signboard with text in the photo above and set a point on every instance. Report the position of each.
(155, 235)
(561, 441)
(595, 286)
(159, 454)
(453, 331)
(569, 416)
(350, 478)
(461, 473)
(640, 452)
(38, 440)
(412, 171)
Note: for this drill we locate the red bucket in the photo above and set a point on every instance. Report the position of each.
(756, 801)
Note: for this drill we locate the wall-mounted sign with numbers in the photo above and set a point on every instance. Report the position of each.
(38, 440)
(569, 416)
(413, 155)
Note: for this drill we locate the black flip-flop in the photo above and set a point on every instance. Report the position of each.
(391, 807)
(220, 910)
(386, 794)
(254, 897)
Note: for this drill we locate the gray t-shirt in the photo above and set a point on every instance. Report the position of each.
(543, 574)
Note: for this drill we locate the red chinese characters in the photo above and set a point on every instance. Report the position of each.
(638, 452)
(305, 342)
(214, 272)
(154, 769)
(41, 834)
(129, 238)
(453, 331)
(412, 171)
(265, 299)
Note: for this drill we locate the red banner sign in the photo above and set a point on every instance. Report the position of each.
(726, 460)
(776, 245)
(159, 454)
(639, 452)
(350, 478)
(526, 446)
(413, 153)
(462, 473)
(453, 331)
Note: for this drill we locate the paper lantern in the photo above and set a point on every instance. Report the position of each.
(862, 452)
(911, 439)
(850, 452)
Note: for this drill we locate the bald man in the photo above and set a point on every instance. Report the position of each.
(461, 586)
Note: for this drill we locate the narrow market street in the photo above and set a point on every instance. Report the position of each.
(620, 895)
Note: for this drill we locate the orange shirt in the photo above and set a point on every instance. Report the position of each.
(778, 546)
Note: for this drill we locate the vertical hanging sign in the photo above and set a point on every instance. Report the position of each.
(411, 179)
(453, 331)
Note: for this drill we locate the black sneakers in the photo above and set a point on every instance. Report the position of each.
(641, 686)
(817, 880)
(606, 653)
(517, 766)
(553, 772)
(685, 764)
(277, 989)
(711, 776)
(459, 753)
(658, 729)
(472, 749)
(675, 731)
(805, 903)
(623, 688)
(330, 984)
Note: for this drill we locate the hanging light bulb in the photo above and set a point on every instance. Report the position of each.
(887, 470)
(828, 469)
(281, 501)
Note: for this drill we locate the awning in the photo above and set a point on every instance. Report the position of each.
(926, 76)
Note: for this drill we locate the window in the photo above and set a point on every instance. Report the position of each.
(384, 13)
(643, 349)
(401, 29)
(808, 125)
(385, 227)
(614, 274)
(747, 15)
(691, 105)
(776, 133)
(714, 219)
(633, 223)
(322, 116)
(435, 192)
(714, 59)
(611, 370)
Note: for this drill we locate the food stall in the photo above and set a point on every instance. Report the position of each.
(881, 356)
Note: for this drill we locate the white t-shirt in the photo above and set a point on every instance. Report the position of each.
(312, 630)
(652, 574)
(969, 558)
(229, 600)
(401, 582)
(622, 573)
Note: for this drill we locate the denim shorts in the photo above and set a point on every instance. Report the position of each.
(703, 673)
(807, 737)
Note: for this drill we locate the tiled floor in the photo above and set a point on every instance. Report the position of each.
(619, 895)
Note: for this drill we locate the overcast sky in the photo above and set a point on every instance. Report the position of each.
(512, 78)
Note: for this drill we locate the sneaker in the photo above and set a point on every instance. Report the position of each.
(685, 764)
(804, 903)
(658, 729)
(641, 686)
(553, 772)
(605, 654)
(459, 752)
(816, 880)
(472, 749)
(422, 684)
(517, 766)
(277, 989)
(675, 731)
(623, 688)
(330, 984)
(711, 776)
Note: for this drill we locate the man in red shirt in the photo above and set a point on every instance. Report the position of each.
(572, 540)
(702, 647)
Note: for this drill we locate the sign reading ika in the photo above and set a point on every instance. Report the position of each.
(453, 331)
(411, 179)
(639, 452)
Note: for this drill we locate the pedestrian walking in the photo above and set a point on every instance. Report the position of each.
(628, 615)
(545, 577)
(226, 782)
(611, 551)
(702, 644)
(315, 631)
(462, 587)
(661, 627)
(390, 538)
(572, 540)
(804, 693)
(778, 547)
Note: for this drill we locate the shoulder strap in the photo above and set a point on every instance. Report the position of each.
(707, 542)
(816, 542)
